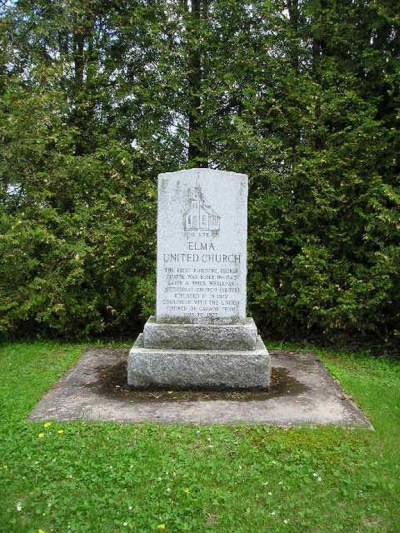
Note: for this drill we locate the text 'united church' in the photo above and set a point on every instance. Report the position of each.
(203, 258)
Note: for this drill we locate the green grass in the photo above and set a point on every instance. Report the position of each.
(108, 477)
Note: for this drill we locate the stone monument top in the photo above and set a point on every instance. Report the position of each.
(201, 246)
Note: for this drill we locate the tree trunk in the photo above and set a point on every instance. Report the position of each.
(197, 151)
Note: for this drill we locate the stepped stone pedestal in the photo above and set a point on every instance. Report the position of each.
(201, 337)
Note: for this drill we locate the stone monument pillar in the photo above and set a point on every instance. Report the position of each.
(200, 336)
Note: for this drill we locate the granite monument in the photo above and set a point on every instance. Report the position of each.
(201, 336)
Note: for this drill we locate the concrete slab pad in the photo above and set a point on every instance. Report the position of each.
(302, 393)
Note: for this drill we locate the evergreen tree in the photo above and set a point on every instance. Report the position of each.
(98, 97)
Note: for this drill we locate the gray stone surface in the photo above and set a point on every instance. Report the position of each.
(183, 369)
(201, 246)
(302, 393)
(200, 336)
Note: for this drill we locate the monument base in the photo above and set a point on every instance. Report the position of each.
(184, 336)
(198, 369)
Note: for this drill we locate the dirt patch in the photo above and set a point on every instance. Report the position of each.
(112, 384)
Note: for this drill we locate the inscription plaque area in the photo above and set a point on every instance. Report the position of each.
(201, 247)
(201, 336)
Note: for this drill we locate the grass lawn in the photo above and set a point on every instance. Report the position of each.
(108, 477)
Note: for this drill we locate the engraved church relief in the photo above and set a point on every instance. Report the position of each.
(200, 216)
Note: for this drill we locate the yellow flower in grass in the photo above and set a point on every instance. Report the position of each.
(40, 436)
(41, 531)
(161, 527)
(186, 490)
(46, 425)
(60, 432)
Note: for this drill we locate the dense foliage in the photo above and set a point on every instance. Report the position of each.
(98, 97)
